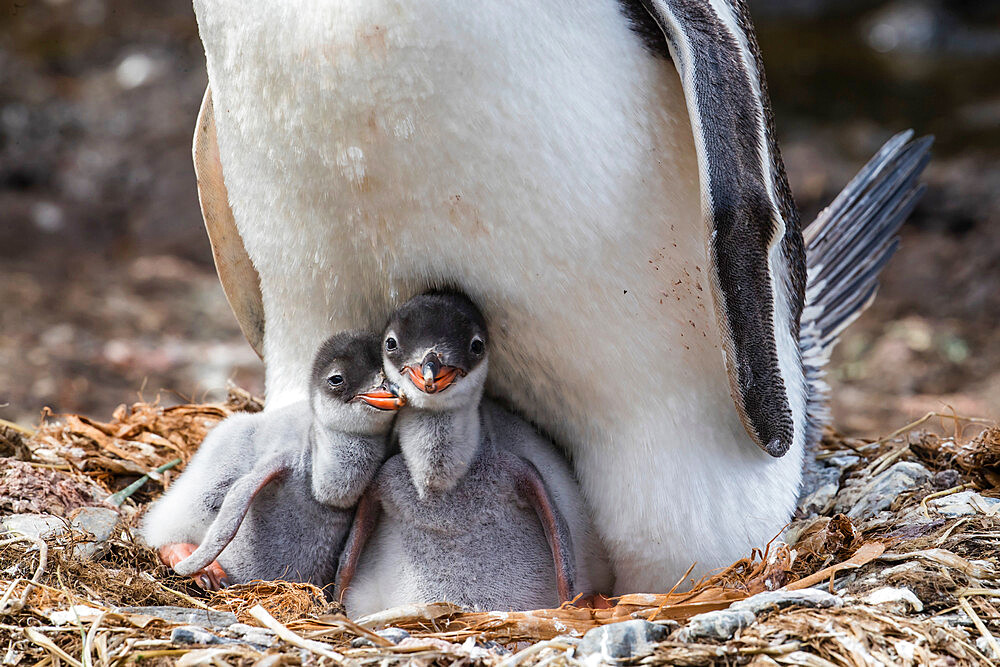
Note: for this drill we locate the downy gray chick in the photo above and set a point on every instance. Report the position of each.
(271, 495)
(477, 509)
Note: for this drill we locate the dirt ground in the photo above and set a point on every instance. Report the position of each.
(106, 283)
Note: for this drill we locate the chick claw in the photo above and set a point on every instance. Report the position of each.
(212, 578)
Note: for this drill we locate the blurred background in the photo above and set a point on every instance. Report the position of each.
(107, 290)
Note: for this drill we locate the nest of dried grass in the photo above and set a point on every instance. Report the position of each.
(57, 607)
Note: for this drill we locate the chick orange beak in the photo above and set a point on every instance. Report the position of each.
(440, 381)
(383, 399)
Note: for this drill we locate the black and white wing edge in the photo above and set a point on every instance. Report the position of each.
(755, 242)
(781, 299)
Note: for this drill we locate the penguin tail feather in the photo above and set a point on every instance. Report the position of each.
(847, 246)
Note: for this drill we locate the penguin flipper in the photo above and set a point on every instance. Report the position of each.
(231, 514)
(236, 272)
(365, 520)
(754, 240)
(532, 486)
(847, 247)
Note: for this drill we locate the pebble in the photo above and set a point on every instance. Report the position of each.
(820, 500)
(947, 479)
(184, 615)
(395, 635)
(722, 625)
(34, 525)
(775, 600)
(621, 640)
(964, 503)
(958, 618)
(879, 493)
(193, 634)
(101, 522)
(843, 461)
(986, 646)
(252, 635)
(717, 625)
(820, 483)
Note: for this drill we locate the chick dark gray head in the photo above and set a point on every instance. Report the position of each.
(435, 349)
(348, 389)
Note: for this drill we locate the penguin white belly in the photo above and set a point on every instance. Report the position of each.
(537, 157)
(384, 578)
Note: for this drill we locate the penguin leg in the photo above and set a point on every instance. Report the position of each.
(594, 601)
(211, 578)
(532, 487)
(365, 520)
(231, 514)
(755, 247)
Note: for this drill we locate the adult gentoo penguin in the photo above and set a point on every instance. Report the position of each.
(601, 178)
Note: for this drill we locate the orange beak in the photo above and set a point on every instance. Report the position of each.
(444, 378)
(383, 399)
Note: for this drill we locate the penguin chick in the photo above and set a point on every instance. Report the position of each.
(461, 514)
(271, 495)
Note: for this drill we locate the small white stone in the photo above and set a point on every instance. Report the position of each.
(986, 646)
(843, 461)
(60, 334)
(102, 523)
(718, 625)
(47, 216)
(774, 600)
(964, 503)
(612, 642)
(135, 70)
(117, 351)
(906, 650)
(253, 635)
(879, 493)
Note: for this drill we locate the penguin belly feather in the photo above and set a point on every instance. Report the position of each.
(539, 158)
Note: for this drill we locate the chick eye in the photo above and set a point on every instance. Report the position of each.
(477, 346)
(335, 381)
(390, 344)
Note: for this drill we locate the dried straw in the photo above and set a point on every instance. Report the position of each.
(951, 563)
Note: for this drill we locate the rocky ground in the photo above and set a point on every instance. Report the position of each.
(892, 559)
(106, 284)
